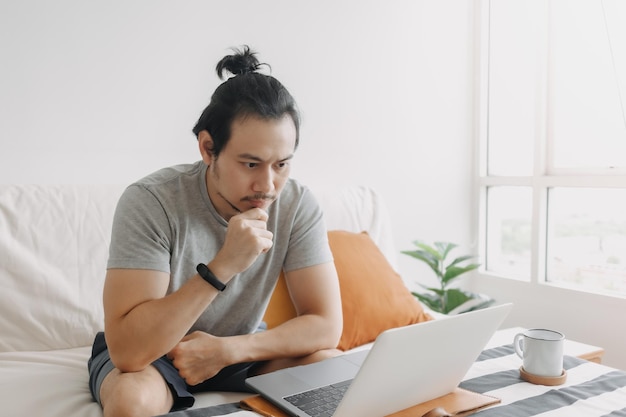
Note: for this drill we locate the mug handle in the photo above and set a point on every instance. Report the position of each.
(518, 343)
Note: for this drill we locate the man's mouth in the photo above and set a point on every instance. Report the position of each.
(259, 200)
(255, 201)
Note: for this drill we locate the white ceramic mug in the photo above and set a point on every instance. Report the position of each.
(541, 350)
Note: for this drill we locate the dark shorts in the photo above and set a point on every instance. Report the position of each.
(231, 378)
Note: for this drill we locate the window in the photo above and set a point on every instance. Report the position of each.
(552, 169)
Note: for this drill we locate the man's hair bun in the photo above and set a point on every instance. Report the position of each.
(243, 61)
(248, 93)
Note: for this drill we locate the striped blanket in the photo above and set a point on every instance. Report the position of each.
(591, 390)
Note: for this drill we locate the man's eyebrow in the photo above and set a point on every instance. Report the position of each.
(258, 159)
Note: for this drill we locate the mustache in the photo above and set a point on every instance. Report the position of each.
(259, 196)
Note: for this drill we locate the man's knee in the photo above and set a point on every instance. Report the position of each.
(135, 394)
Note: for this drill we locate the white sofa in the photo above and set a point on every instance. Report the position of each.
(53, 251)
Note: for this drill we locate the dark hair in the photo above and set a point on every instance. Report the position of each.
(248, 93)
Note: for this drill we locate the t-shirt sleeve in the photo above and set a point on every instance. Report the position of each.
(308, 243)
(141, 233)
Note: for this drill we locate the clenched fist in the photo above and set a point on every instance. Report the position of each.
(246, 238)
(199, 356)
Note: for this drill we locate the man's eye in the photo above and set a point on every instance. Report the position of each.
(250, 164)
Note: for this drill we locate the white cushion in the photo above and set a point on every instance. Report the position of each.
(54, 246)
(55, 384)
(357, 209)
(53, 250)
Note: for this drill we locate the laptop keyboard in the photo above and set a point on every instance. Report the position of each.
(320, 402)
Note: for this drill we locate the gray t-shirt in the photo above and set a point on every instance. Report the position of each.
(167, 222)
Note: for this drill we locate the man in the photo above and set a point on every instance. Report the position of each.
(195, 254)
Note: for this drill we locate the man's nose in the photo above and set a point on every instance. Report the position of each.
(264, 182)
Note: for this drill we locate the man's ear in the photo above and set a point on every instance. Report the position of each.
(205, 145)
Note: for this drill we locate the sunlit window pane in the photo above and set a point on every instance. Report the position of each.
(512, 98)
(587, 238)
(509, 231)
(588, 83)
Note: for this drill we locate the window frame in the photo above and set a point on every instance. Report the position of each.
(544, 176)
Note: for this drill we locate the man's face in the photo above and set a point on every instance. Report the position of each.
(251, 170)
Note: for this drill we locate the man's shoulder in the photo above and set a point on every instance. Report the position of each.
(172, 187)
(292, 186)
(169, 174)
(294, 193)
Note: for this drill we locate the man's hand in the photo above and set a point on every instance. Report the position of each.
(199, 356)
(246, 238)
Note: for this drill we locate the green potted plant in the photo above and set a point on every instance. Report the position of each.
(445, 299)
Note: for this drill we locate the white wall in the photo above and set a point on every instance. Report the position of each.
(590, 318)
(109, 91)
(106, 92)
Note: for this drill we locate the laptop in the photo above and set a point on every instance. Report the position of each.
(404, 367)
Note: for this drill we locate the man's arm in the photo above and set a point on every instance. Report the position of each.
(315, 294)
(142, 323)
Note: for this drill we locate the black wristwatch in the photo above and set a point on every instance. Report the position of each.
(206, 274)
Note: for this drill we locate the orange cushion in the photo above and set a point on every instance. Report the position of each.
(280, 308)
(374, 297)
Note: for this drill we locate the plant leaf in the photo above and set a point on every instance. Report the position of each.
(434, 291)
(442, 299)
(476, 302)
(460, 259)
(482, 305)
(425, 247)
(430, 300)
(421, 255)
(440, 292)
(454, 271)
(425, 257)
(454, 298)
(444, 248)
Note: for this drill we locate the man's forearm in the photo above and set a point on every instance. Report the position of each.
(300, 336)
(151, 329)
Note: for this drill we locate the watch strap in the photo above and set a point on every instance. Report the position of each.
(206, 274)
